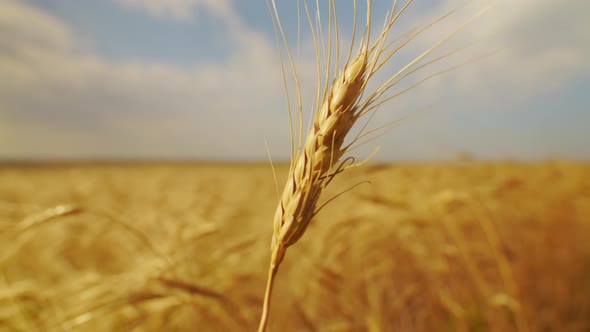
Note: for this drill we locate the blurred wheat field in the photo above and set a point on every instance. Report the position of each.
(457, 246)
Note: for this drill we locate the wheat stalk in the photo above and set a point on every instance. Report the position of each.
(316, 162)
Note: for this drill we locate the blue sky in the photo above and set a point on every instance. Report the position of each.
(200, 79)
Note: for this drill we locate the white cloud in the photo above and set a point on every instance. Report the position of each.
(58, 101)
(15, 20)
(182, 9)
(543, 46)
(133, 108)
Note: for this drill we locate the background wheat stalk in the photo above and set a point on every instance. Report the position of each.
(316, 162)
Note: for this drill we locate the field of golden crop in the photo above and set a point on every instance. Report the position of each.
(464, 246)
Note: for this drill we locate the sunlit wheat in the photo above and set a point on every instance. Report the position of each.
(344, 100)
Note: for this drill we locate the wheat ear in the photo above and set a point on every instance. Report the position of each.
(319, 159)
(309, 174)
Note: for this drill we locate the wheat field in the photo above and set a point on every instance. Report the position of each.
(462, 245)
(456, 246)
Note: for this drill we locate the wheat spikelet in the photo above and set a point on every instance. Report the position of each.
(315, 163)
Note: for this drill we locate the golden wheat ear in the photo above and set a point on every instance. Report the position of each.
(314, 161)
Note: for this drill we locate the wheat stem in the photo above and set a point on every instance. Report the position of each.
(278, 252)
(272, 272)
